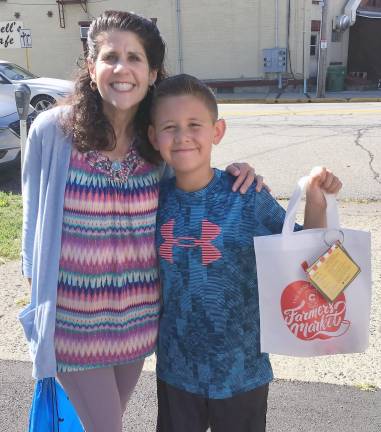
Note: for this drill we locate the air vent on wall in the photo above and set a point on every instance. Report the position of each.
(83, 32)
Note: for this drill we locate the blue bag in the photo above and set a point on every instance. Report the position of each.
(51, 409)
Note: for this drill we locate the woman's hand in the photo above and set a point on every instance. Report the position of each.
(245, 176)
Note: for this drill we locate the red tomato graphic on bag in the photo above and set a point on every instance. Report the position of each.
(309, 315)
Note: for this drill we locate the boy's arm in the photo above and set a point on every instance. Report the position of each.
(321, 180)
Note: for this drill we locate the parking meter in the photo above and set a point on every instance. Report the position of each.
(22, 96)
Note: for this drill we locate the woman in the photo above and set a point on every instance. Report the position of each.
(90, 189)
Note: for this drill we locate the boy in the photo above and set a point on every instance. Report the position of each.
(209, 366)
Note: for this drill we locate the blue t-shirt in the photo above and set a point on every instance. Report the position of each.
(209, 341)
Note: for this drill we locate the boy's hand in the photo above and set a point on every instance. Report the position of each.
(245, 176)
(321, 180)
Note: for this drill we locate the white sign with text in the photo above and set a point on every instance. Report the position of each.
(10, 34)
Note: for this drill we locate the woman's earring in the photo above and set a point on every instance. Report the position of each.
(93, 86)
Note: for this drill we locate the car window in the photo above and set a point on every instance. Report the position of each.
(14, 72)
(3, 80)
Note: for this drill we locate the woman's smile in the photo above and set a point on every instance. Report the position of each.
(122, 86)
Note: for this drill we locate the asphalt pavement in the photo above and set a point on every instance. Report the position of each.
(293, 406)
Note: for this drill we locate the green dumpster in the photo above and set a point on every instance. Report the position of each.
(336, 77)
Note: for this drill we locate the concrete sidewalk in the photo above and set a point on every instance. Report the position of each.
(284, 96)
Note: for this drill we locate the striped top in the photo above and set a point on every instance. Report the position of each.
(108, 287)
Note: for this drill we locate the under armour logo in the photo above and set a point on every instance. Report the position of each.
(209, 232)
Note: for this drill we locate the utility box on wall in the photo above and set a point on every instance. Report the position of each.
(275, 60)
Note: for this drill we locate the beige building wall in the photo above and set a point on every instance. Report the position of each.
(338, 51)
(300, 34)
(224, 39)
(220, 39)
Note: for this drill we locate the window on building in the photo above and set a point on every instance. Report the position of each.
(313, 45)
(315, 25)
(83, 30)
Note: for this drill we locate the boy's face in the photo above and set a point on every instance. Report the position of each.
(184, 131)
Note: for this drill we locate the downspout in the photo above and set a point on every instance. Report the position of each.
(277, 38)
(276, 23)
(179, 36)
(304, 51)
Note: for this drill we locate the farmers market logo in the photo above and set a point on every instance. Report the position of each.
(310, 316)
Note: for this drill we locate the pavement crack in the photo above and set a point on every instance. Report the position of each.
(360, 134)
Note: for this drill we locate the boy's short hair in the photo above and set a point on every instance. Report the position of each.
(184, 84)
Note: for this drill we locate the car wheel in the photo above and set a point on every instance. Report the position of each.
(42, 102)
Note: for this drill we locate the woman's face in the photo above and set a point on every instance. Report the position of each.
(121, 71)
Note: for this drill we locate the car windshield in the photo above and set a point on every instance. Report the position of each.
(14, 72)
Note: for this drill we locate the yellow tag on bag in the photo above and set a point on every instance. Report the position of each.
(333, 271)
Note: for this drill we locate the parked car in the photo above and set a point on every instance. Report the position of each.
(10, 150)
(45, 91)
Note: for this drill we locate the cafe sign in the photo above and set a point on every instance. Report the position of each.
(10, 34)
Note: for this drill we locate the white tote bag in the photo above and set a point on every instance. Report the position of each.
(295, 318)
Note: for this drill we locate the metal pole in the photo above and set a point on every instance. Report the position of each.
(179, 36)
(23, 137)
(323, 49)
(27, 59)
(22, 98)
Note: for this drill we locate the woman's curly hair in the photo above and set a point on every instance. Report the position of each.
(86, 121)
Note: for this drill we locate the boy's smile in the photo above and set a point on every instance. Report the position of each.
(184, 131)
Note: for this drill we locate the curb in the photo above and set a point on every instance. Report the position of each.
(365, 99)
(242, 101)
(293, 100)
(297, 100)
(330, 100)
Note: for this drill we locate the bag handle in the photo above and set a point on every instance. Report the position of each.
(332, 208)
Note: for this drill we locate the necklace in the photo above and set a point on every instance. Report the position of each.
(116, 165)
(118, 170)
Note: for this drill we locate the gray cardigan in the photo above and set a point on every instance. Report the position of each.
(44, 174)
